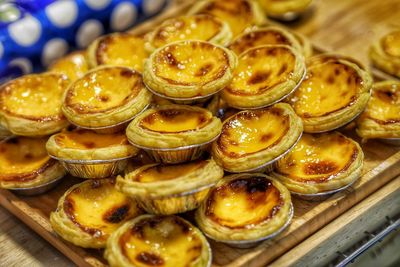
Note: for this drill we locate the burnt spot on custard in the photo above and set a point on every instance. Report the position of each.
(256, 190)
(259, 77)
(204, 70)
(320, 167)
(149, 259)
(117, 214)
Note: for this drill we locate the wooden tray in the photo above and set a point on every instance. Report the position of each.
(382, 163)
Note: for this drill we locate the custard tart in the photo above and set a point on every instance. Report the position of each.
(264, 75)
(239, 14)
(188, 70)
(105, 98)
(170, 189)
(381, 118)
(151, 240)
(319, 163)
(31, 105)
(174, 133)
(385, 54)
(271, 35)
(253, 139)
(244, 209)
(278, 8)
(87, 154)
(118, 49)
(195, 27)
(334, 91)
(24, 163)
(89, 212)
(74, 65)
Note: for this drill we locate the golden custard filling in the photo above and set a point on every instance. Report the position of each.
(261, 69)
(35, 97)
(384, 104)
(104, 89)
(85, 139)
(238, 14)
(249, 132)
(74, 65)
(243, 203)
(391, 44)
(121, 49)
(190, 63)
(196, 27)
(327, 88)
(175, 120)
(318, 158)
(98, 209)
(258, 38)
(21, 157)
(161, 241)
(167, 172)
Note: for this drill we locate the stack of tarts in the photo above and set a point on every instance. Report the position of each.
(163, 94)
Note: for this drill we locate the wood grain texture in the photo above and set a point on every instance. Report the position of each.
(339, 25)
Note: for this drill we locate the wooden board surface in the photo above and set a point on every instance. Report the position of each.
(382, 164)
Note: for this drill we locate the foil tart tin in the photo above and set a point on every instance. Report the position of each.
(258, 241)
(37, 190)
(322, 195)
(390, 141)
(94, 169)
(270, 165)
(176, 203)
(176, 155)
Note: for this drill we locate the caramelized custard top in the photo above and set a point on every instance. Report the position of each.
(161, 241)
(190, 63)
(318, 158)
(197, 27)
(98, 209)
(121, 49)
(168, 172)
(391, 44)
(384, 104)
(175, 120)
(34, 97)
(237, 13)
(249, 132)
(327, 88)
(257, 38)
(85, 139)
(244, 202)
(74, 65)
(104, 89)
(23, 158)
(261, 69)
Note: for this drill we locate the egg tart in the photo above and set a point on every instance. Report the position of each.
(188, 70)
(244, 209)
(239, 14)
(278, 8)
(174, 133)
(253, 139)
(385, 53)
(87, 154)
(118, 49)
(89, 212)
(31, 105)
(320, 163)
(195, 27)
(73, 65)
(333, 93)
(106, 98)
(264, 76)
(270, 35)
(24, 163)
(169, 189)
(152, 240)
(381, 118)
